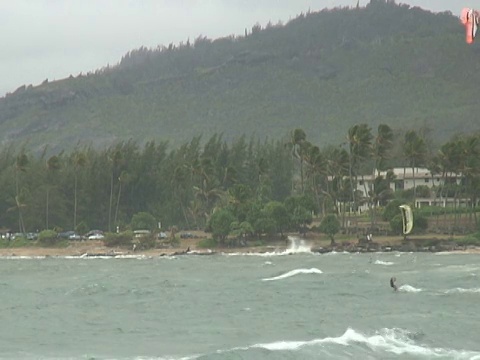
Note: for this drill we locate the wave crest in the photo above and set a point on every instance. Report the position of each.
(295, 272)
(380, 262)
(396, 341)
(409, 289)
(463, 291)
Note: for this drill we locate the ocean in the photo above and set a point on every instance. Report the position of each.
(279, 305)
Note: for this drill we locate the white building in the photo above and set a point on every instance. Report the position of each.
(406, 179)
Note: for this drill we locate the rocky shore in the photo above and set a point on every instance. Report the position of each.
(190, 247)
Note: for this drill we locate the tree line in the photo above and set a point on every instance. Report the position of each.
(240, 187)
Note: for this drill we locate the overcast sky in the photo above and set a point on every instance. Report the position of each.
(52, 39)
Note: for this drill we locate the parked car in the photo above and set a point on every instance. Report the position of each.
(93, 232)
(141, 233)
(66, 234)
(96, 236)
(187, 235)
(75, 236)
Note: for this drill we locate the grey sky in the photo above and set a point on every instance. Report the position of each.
(55, 38)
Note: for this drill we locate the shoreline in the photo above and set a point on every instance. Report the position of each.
(97, 249)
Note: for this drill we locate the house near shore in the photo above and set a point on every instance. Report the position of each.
(407, 179)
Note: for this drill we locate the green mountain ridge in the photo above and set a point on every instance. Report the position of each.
(322, 72)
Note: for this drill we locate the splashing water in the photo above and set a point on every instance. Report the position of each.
(297, 246)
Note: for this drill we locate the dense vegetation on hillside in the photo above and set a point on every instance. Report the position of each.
(322, 72)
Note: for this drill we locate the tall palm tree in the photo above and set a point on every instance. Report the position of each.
(297, 137)
(123, 179)
(317, 168)
(468, 163)
(53, 165)
(380, 193)
(21, 164)
(79, 161)
(415, 151)
(116, 159)
(360, 149)
(448, 161)
(338, 165)
(382, 146)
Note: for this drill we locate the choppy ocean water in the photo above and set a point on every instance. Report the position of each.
(293, 305)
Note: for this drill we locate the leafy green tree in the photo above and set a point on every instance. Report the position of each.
(392, 209)
(241, 230)
(240, 199)
(330, 226)
(143, 221)
(220, 223)
(48, 238)
(301, 217)
(396, 224)
(278, 213)
(264, 225)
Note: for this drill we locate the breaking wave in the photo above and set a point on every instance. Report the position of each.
(296, 246)
(383, 343)
(380, 262)
(463, 291)
(295, 272)
(409, 289)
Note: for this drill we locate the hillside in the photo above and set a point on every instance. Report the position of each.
(321, 72)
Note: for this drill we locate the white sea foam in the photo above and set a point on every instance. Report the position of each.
(396, 341)
(459, 268)
(168, 358)
(463, 291)
(295, 272)
(409, 289)
(296, 246)
(15, 257)
(386, 263)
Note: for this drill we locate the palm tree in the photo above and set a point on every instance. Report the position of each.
(53, 165)
(123, 179)
(382, 145)
(448, 161)
(415, 151)
(380, 193)
(79, 161)
(468, 149)
(317, 167)
(360, 148)
(338, 165)
(297, 137)
(20, 166)
(116, 160)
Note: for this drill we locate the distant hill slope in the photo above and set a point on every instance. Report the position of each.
(322, 72)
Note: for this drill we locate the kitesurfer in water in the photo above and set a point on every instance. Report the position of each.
(392, 283)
